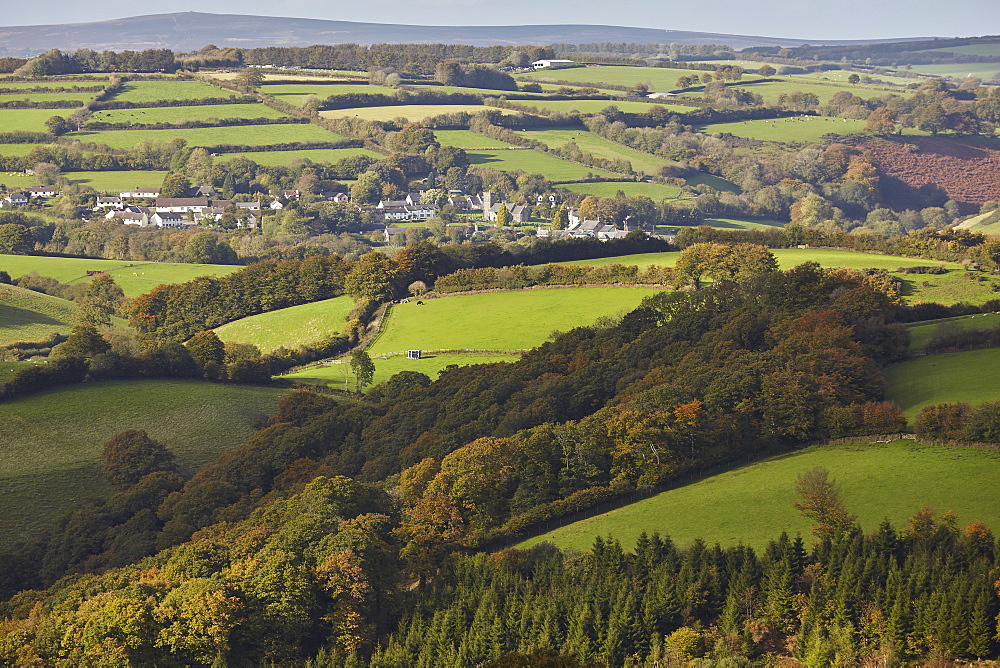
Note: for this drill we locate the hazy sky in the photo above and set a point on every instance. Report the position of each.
(805, 19)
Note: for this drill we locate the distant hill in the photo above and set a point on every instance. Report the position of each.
(189, 31)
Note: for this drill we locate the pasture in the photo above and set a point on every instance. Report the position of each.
(16, 180)
(787, 258)
(289, 327)
(985, 223)
(771, 90)
(657, 78)
(956, 286)
(117, 181)
(597, 146)
(655, 191)
(9, 85)
(467, 139)
(253, 135)
(841, 76)
(26, 315)
(594, 106)
(969, 50)
(984, 71)
(921, 332)
(296, 93)
(752, 505)
(968, 376)
(28, 120)
(47, 97)
(801, 129)
(335, 374)
(183, 114)
(8, 369)
(153, 90)
(134, 278)
(279, 158)
(527, 160)
(19, 149)
(50, 443)
(412, 112)
(514, 320)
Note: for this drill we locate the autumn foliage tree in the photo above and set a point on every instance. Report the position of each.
(820, 500)
(132, 454)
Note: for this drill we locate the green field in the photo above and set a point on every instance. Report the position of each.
(984, 71)
(714, 181)
(770, 91)
(802, 129)
(969, 49)
(253, 135)
(655, 191)
(13, 181)
(738, 224)
(335, 374)
(150, 91)
(978, 223)
(412, 112)
(278, 158)
(467, 139)
(289, 327)
(4, 84)
(841, 76)
(28, 120)
(921, 332)
(599, 147)
(658, 78)
(8, 369)
(46, 97)
(955, 286)
(516, 320)
(134, 278)
(19, 149)
(295, 93)
(527, 160)
(51, 442)
(594, 106)
(183, 114)
(968, 376)
(117, 181)
(753, 504)
(26, 315)
(787, 258)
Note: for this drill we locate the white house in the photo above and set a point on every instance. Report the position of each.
(141, 192)
(552, 63)
(169, 219)
(16, 199)
(182, 204)
(41, 191)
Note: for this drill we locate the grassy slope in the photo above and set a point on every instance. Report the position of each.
(984, 71)
(19, 149)
(334, 374)
(594, 106)
(28, 120)
(954, 377)
(658, 78)
(413, 112)
(149, 91)
(920, 332)
(527, 160)
(254, 135)
(753, 504)
(51, 442)
(787, 258)
(289, 327)
(598, 146)
(26, 315)
(467, 139)
(46, 97)
(655, 191)
(278, 158)
(182, 114)
(134, 278)
(800, 129)
(518, 319)
(117, 181)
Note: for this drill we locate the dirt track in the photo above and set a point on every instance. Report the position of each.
(970, 174)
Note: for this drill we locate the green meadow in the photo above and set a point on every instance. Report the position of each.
(801, 129)
(50, 443)
(183, 114)
(752, 505)
(467, 139)
(771, 90)
(336, 374)
(527, 160)
(117, 181)
(6, 85)
(655, 191)
(969, 49)
(153, 90)
(289, 327)
(28, 120)
(984, 71)
(412, 112)
(14, 181)
(278, 158)
(968, 377)
(921, 332)
(594, 106)
(26, 315)
(251, 135)
(599, 147)
(295, 93)
(657, 78)
(134, 278)
(46, 97)
(514, 320)
(19, 149)
(956, 286)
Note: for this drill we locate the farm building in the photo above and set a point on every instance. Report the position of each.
(552, 64)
